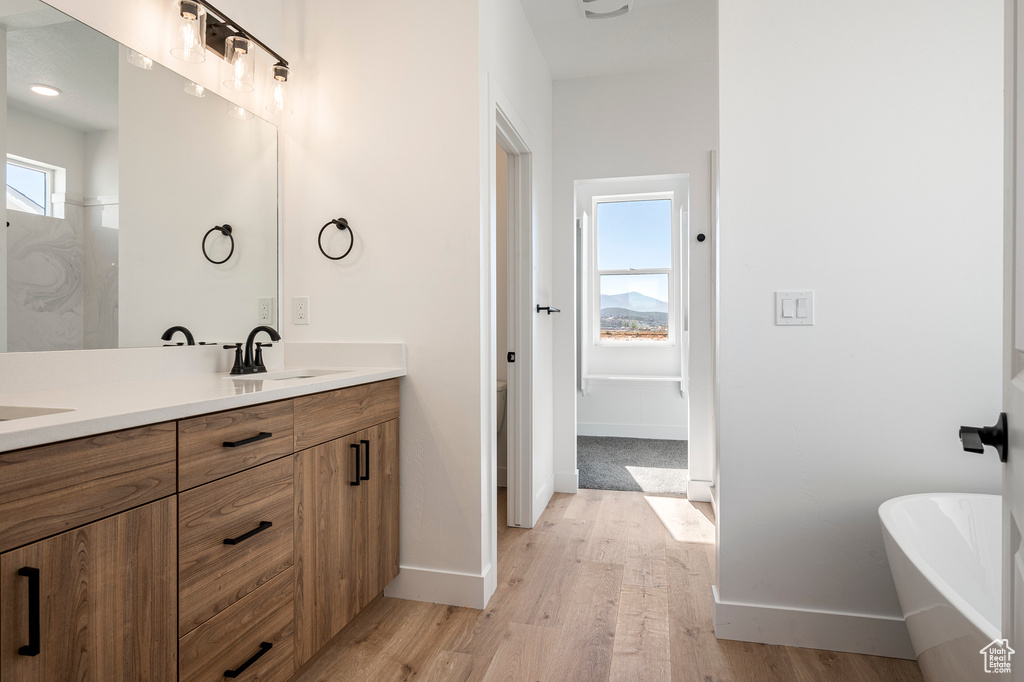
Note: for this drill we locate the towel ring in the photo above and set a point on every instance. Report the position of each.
(341, 224)
(226, 231)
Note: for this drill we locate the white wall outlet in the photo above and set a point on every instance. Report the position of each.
(264, 310)
(794, 308)
(300, 310)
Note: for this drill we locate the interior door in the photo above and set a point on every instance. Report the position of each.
(1013, 365)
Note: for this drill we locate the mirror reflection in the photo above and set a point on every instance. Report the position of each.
(117, 168)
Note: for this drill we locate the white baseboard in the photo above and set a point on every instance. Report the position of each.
(502, 477)
(698, 491)
(567, 482)
(660, 432)
(855, 633)
(443, 587)
(541, 499)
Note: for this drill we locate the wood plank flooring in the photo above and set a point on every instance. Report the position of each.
(608, 586)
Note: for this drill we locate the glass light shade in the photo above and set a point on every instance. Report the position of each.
(239, 113)
(190, 43)
(277, 97)
(241, 57)
(194, 89)
(140, 60)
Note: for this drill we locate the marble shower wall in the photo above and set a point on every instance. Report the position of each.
(45, 281)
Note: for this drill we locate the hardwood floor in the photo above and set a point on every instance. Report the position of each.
(608, 586)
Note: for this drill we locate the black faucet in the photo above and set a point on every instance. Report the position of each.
(189, 339)
(252, 363)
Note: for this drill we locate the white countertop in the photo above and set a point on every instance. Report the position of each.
(121, 405)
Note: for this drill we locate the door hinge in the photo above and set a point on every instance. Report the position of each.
(579, 223)
(511, 356)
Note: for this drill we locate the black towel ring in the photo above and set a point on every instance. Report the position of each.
(342, 224)
(226, 231)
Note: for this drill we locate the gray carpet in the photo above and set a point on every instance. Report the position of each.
(652, 466)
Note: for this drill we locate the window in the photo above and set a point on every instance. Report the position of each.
(29, 186)
(634, 274)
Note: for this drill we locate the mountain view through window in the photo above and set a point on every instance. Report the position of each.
(634, 262)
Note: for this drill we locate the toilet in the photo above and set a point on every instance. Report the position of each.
(502, 408)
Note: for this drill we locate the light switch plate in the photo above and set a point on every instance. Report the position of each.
(794, 308)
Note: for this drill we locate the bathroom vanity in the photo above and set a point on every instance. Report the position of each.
(220, 544)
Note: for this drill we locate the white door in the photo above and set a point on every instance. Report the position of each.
(1013, 365)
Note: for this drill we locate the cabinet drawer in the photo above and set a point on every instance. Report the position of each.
(214, 574)
(236, 636)
(50, 489)
(326, 416)
(203, 455)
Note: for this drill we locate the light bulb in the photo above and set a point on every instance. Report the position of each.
(239, 54)
(191, 42)
(280, 85)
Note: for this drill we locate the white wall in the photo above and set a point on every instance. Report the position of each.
(40, 139)
(385, 134)
(515, 76)
(861, 152)
(650, 123)
(186, 166)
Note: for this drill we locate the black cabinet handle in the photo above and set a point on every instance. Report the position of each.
(355, 451)
(263, 436)
(242, 538)
(32, 648)
(264, 648)
(366, 443)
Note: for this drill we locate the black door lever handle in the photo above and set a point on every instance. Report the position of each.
(975, 438)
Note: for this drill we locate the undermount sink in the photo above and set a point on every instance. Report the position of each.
(287, 374)
(9, 412)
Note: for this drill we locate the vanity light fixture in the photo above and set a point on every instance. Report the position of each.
(44, 90)
(223, 36)
(191, 41)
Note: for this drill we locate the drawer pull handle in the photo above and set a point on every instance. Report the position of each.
(264, 648)
(366, 443)
(355, 451)
(263, 436)
(32, 648)
(242, 538)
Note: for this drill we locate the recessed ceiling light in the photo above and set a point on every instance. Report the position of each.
(45, 90)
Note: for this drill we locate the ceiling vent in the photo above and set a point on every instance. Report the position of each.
(605, 9)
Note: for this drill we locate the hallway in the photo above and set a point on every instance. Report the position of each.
(609, 585)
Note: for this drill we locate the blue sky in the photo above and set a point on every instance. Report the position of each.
(28, 182)
(635, 234)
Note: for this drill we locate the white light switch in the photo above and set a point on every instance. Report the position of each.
(794, 308)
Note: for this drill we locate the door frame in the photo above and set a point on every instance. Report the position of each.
(519, 396)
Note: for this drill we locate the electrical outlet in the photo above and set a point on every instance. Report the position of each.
(264, 310)
(300, 310)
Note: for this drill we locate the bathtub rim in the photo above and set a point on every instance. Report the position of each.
(930, 574)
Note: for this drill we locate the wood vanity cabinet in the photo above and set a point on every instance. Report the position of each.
(192, 549)
(100, 599)
(346, 520)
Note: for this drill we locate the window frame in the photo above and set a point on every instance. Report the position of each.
(672, 272)
(51, 179)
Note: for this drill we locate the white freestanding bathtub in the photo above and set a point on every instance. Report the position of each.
(944, 550)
